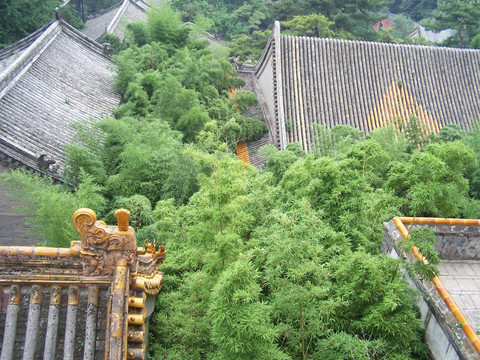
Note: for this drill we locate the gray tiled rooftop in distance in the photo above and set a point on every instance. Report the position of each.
(366, 85)
(95, 27)
(246, 73)
(114, 19)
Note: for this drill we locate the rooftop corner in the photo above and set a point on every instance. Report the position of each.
(450, 303)
(91, 301)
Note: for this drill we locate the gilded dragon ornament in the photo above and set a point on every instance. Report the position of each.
(103, 246)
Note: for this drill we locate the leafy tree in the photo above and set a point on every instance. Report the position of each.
(433, 181)
(461, 15)
(385, 317)
(165, 26)
(391, 141)
(415, 131)
(134, 60)
(417, 10)
(334, 142)
(450, 132)
(137, 33)
(241, 326)
(373, 162)
(315, 25)
(403, 25)
(349, 16)
(19, 18)
(69, 14)
(84, 156)
(253, 129)
(140, 210)
(115, 43)
(148, 161)
(278, 162)
(475, 43)
(424, 239)
(265, 264)
(249, 47)
(472, 139)
(248, 17)
(284, 10)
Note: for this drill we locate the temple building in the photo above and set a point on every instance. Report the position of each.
(49, 80)
(302, 81)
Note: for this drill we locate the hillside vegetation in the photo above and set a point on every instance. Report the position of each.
(279, 263)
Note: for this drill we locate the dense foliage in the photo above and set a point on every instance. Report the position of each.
(177, 96)
(281, 263)
(248, 23)
(19, 18)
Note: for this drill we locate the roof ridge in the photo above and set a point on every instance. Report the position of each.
(377, 43)
(94, 45)
(22, 43)
(13, 72)
(141, 4)
(117, 16)
(104, 11)
(120, 12)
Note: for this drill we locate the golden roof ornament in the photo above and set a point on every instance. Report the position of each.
(102, 246)
(122, 216)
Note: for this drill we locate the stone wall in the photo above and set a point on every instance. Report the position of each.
(455, 242)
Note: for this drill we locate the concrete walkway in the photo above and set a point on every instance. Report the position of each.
(12, 225)
(462, 280)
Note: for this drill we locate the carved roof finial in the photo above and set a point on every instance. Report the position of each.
(122, 216)
(102, 245)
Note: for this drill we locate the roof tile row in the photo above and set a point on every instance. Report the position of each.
(368, 85)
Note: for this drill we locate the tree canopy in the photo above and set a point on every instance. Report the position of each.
(282, 263)
(19, 18)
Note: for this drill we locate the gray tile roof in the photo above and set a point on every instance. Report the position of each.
(436, 37)
(364, 84)
(114, 19)
(96, 26)
(59, 78)
(9, 54)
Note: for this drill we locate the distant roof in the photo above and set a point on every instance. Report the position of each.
(49, 80)
(90, 301)
(363, 84)
(450, 303)
(114, 19)
(435, 37)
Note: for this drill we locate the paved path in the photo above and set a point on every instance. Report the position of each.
(12, 225)
(462, 280)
